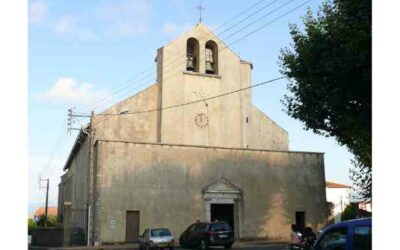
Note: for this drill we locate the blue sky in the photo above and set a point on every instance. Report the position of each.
(83, 50)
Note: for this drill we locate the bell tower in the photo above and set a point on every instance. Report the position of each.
(191, 68)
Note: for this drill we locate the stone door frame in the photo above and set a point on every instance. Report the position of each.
(224, 192)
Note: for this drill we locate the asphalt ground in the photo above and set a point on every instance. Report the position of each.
(249, 246)
(236, 246)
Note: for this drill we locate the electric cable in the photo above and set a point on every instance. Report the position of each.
(91, 101)
(250, 33)
(169, 60)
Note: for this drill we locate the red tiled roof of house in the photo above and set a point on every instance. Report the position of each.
(50, 211)
(330, 184)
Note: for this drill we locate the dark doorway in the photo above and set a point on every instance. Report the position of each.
(223, 212)
(301, 220)
(132, 226)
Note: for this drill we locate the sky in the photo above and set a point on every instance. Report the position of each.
(80, 52)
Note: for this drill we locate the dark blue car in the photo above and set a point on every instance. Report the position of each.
(347, 235)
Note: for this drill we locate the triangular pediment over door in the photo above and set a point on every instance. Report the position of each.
(222, 186)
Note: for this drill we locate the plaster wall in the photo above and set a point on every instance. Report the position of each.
(227, 116)
(263, 132)
(165, 182)
(75, 187)
(137, 127)
(179, 86)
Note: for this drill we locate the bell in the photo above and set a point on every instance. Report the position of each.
(190, 64)
(209, 67)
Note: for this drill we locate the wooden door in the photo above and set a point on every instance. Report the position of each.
(132, 226)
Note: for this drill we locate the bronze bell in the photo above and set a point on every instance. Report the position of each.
(209, 67)
(190, 64)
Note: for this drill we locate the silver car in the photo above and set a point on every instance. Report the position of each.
(157, 238)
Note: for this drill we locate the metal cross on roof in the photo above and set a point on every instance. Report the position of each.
(200, 8)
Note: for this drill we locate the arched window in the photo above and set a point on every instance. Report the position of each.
(211, 57)
(192, 55)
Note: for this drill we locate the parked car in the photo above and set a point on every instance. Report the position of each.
(347, 235)
(205, 234)
(157, 238)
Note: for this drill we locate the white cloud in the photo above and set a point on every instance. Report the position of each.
(116, 19)
(38, 11)
(130, 17)
(68, 91)
(173, 28)
(72, 27)
(65, 24)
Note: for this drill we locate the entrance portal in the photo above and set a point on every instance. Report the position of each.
(223, 202)
(223, 212)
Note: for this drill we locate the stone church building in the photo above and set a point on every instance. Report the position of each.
(146, 162)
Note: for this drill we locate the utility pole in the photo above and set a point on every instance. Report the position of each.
(47, 198)
(89, 207)
(73, 116)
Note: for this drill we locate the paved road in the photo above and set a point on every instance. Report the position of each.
(236, 246)
(251, 246)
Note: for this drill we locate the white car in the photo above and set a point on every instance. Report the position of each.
(156, 238)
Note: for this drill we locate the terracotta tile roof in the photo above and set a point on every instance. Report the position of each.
(50, 211)
(330, 184)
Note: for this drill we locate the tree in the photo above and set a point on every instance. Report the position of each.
(31, 225)
(350, 212)
(329, 67)
(51, 221)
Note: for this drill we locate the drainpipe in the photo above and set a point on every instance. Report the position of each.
(88, 226)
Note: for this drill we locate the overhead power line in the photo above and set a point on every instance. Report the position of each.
(174, 67)
(193, 102)
(173, 61)
(56, 147)
(259, 19)
(241, 38)
(245, 36)
(141, 76)
(247, 17)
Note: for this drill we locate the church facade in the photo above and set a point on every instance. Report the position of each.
(169, 156)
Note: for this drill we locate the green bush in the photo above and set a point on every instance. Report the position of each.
(51, 221)
(31, 225)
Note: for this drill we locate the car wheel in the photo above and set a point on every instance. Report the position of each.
(228, 246)
(203, 245)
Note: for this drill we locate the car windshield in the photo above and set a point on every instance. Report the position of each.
(160, 232)
(220, 227)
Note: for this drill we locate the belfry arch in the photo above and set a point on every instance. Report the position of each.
(192, 55)
(211, 57)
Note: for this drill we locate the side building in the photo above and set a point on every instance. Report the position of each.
(150, 161)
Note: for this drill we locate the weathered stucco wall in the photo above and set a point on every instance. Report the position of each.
(178, 86)
(263, 132)
(74, 185)
(165, 184)
(137, 127)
